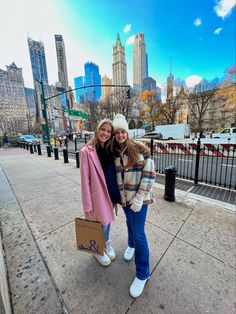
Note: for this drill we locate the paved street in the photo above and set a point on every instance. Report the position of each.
(192, 248)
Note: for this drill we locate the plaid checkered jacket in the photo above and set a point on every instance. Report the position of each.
(138, 178)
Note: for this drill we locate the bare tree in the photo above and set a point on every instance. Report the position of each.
(199, 100)
(168, 110)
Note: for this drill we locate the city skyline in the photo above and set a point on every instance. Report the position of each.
(200, 42)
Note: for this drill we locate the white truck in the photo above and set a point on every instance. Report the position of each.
(173, 131)
(228, 134)
(135, 133)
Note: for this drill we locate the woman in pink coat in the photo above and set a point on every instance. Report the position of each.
(99, 187)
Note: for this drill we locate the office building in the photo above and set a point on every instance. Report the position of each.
(139, 62)
(38, 61)
(30, 100)
(106, 91)
(92, 77)
(149, 84)
(79, 93)
(61, 62)
(119, 68)
(13, 107)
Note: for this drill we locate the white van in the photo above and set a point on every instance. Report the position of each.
(228, 134)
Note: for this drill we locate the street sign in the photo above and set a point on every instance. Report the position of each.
(76, 113)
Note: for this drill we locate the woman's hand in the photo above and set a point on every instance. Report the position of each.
(137, 203)
(89, 215)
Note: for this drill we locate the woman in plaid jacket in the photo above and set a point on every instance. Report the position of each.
(135, 176)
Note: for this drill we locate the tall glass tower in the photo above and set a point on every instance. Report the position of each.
(79, 93)
(92, 77)
(38, 60)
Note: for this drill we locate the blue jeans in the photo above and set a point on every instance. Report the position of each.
(137, 239)
(106, 231)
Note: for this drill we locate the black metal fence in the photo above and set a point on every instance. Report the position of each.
(212, 164)
(208, 163)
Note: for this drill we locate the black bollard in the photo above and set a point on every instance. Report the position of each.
(77, 159)
(49, 151)
(39, 149)
(31, 148)
(170, 173)
(27, 146)
(23, 145)
(35, 150)
(56, 155)
(65, 155)
(75, 144)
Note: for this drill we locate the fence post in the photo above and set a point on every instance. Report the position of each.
(39, 149)
(77, 159)
(56, 156)
(49, 150)
(31, 148)
(65, 155)
(75, 144)
(197, 160)
(151, 146)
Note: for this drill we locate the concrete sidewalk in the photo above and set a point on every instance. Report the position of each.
(192, 248)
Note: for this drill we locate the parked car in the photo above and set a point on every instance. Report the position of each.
(155, 136)
(30, 139)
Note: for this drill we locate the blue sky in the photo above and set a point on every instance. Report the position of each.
(198, 36)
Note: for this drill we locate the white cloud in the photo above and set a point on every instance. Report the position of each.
(127, 28)
(224, 8)
(218, 30)
(193, 80)
(197, 21)
(130, 40)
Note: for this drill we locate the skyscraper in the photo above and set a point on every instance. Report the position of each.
(119, 68)
(30, 100)
(92, 77)
(38, 60)
(139, 62)
(61, 62)
(106, 91)
(79, 93)
(170, 84)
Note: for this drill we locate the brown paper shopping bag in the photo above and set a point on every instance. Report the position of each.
(89, 236)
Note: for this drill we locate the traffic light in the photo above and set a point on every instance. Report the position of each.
(128, 93)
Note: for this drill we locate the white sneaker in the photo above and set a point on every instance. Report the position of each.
(129, 253)
(104, 260)
(137, 287)
(110, 252)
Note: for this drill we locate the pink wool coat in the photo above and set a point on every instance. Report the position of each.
(94, 190)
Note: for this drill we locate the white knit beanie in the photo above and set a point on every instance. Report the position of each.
(120, 122)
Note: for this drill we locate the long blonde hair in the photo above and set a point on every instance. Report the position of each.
(94, 140)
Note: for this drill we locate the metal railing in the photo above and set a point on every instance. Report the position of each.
(208, 163)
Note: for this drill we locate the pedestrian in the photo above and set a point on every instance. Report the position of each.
(5, 141)
(99, 187)
(60, 140)
(135, 176)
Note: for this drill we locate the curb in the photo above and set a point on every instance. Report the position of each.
(5, 304)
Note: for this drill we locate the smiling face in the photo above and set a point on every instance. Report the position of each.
(121, 136)
(104, 133)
